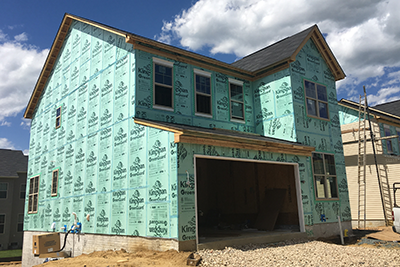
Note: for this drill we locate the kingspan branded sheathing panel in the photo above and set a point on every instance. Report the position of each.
(324, 135)
(347, 115)
(186, 181)
(121, 174)
(183, 111)
(273, 106)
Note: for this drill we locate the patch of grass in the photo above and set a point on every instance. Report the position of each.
(10, 253)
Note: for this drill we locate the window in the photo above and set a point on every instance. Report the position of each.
(58, 117)
(236, 97)
(3, 190)
(398, 138)
(2, 223)
(22, 191)
(163, 88)
(203, 92)
(316, 99)
(20, 223)
(389, 146)
(54, 183)
(33, 194)
(325, 176)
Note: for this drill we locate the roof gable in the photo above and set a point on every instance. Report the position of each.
(286, 50)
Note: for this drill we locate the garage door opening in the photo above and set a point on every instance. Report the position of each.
(236, 198)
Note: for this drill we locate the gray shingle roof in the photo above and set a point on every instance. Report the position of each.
(390, 107)
(11, 162)
(274, 53)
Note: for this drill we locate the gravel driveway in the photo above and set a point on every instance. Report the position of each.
(303, 253)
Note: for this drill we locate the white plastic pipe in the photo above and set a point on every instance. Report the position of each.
(340, 229)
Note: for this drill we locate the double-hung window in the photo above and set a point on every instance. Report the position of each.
(202, 84)
(316, 100)
(20, 223)
(163, 84)
(22, 191)
(324, 176)
(2, 223)
(58, 117)
(54, 183)
(236, 99)
(389, 145)
(33, 194)
(3, 190)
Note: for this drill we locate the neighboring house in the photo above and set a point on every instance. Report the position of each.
(167, 146)
(385, 121)
(13, 169)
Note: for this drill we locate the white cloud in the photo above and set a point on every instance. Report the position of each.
(26, 152)
(25, 124)
(384, 95)
(20, 66)
(21, 37)
(364, 35)
(5, 123)
(6, 144)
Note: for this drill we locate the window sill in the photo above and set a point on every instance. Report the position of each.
(204, 115)
(163, 108)
(326, 199)
(238, 121)
(319, 118)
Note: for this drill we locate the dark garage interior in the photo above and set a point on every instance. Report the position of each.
(237, 196)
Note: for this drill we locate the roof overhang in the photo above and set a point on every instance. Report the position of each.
(379, 115)
(229, 138)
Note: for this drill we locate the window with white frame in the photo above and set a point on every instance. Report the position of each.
(236, 99)
(33, 194)
(316, 100)
(54, 183)
(22, 191)
(58, 117)
(20, 223)
(2, 223)
(3, 190)
(202, 83)
(163, 84)
(389, 145)
(325, 181)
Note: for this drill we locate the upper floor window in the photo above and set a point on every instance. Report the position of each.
(54, 183)
(163, 84)
(3, 190)
(20, 223)
(202, 81)
(324, 170)
(33, 194)
(2, 223)
(236, 98)
(58, 117)
(389, 146)
(316, 100)
(22, 191)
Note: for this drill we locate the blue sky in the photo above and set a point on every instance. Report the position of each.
(363, 35)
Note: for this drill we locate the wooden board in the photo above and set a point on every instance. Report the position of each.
(270, 208)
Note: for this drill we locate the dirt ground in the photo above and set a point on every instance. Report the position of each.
(372, 237)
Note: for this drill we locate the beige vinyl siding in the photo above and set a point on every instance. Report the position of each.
(392, 163)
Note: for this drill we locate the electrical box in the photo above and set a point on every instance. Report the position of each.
(45, 243)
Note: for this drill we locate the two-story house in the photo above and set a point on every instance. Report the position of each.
(13, 170)
(385, 123)
(168, 149)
